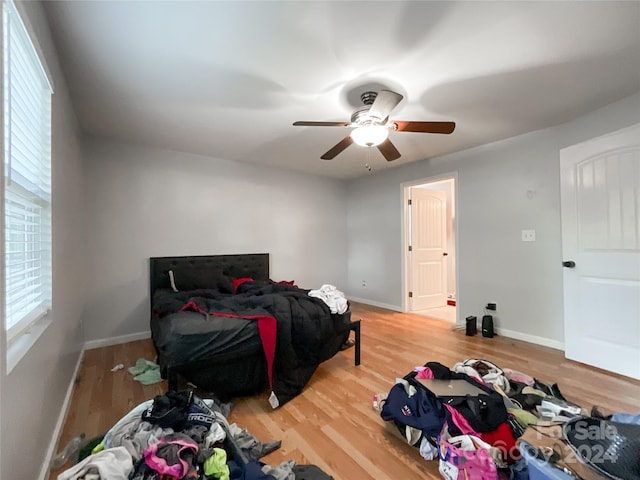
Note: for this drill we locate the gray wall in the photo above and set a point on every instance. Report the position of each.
(503, 187)
(33, 393)
(144, 202)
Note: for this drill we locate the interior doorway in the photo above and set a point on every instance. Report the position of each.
(429, 245)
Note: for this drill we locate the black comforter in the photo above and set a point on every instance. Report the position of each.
(306, 331)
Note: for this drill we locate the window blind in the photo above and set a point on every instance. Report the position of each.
(27, 169)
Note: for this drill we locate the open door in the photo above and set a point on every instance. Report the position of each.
(600, 187)
(428, 255)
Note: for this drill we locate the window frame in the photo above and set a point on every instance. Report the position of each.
(23, 334)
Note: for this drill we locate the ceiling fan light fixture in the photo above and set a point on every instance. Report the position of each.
(369, 135)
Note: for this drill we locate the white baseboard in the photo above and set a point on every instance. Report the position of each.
(44, 470)
(106, 342)
(366, 301)
(545, 342)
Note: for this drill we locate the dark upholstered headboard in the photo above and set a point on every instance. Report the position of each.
(255, 265)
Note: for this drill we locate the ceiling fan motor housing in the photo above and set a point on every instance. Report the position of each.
(361, 116)
(368, 97)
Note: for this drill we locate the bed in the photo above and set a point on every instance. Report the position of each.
(221, 323)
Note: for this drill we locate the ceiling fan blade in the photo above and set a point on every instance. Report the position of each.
(389, 150)
(337, 148)
(385, 101)
(425, 127)
(321, 124)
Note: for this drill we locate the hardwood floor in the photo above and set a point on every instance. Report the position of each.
(332, 423)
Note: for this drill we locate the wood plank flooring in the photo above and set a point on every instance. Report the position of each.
(332, 423)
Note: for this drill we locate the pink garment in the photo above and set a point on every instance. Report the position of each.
(425, 373)
(461, 422)
(468, 458)
(173, 448)
(519, 376)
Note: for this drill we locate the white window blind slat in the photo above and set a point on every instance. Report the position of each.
(23, 73)
(23, 104)
(20, 159)
(27, 206)
(22, 69)
(23, 126)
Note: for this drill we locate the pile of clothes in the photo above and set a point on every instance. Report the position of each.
(481, 434)
(181, 436)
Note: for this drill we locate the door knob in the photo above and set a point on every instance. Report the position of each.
(444, 254)
(569, 263)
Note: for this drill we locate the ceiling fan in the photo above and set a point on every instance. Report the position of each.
(371, 125)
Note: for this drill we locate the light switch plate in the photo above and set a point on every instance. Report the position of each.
(528, 235)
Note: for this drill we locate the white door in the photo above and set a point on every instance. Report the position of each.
(428, 243)
(600, 188)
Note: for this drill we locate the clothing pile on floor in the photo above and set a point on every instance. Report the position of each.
(482, 422)
(181, 436)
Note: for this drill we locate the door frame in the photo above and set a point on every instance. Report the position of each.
(404, 240)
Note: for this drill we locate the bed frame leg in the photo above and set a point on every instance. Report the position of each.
(172, 377)
(355, 326)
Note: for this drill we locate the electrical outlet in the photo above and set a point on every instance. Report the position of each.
(364, 283)
(528, 235)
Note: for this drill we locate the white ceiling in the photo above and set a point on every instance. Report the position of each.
(228, 78)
